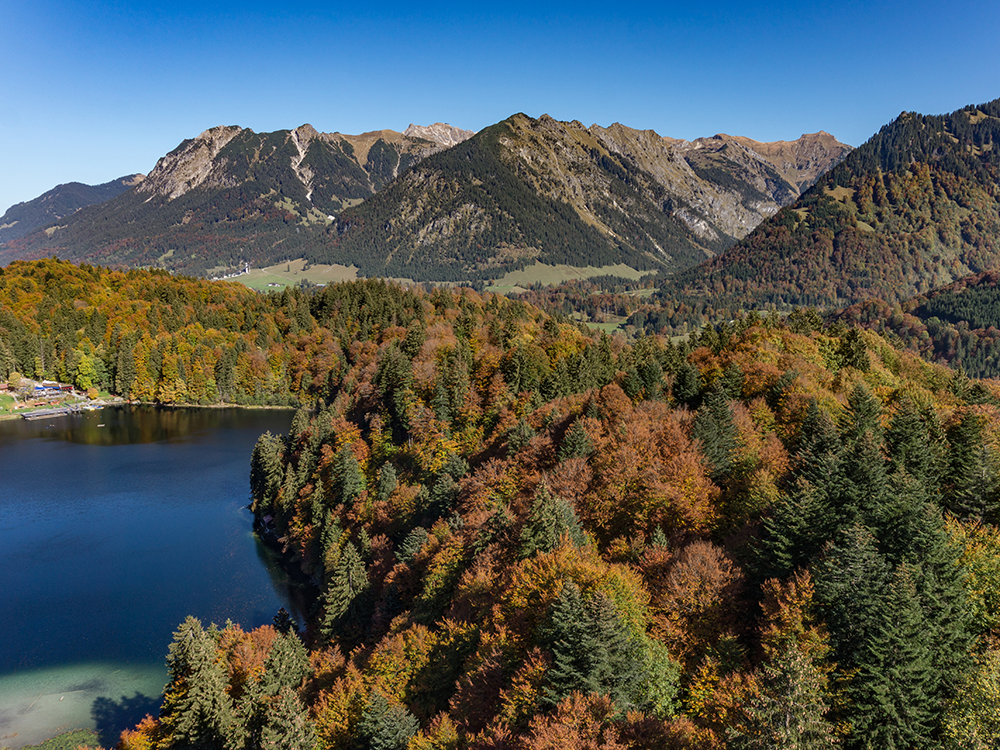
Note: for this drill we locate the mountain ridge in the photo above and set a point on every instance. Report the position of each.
(57, 203)
(231, 196)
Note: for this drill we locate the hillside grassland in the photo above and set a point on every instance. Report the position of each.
(551, 275)
(292, 272)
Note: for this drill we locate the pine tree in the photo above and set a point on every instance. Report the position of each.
(686, 383)
(286, 665)
(714, 427)
(549, 520)
(891, 703)
(348, 474)
(284, 623)
(799, 524)
(576, 654)
(386, 726)
(865, 483)
(265, 473)
(287, 725)
(197, 711)
(788, 708)
(411, 545)
(618, 656)
(864, 414)
(882, 630)
(387, 481)
(969, 486)
(576, 443)
(819, 451)
(914, 445)
(344, 594)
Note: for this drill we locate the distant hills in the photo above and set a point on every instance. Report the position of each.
(957, 325)
(914, 208)
(61, 201)
(440, 203)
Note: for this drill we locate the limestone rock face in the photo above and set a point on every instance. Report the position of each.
(440, 132)
(189, 165)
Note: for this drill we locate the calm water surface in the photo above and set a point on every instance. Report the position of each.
(114, 526)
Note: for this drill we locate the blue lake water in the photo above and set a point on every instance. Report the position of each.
(114, 526)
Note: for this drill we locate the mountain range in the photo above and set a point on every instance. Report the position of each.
(61, 201)
(439, 203)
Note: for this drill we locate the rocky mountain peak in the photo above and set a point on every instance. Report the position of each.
(305, 133)
(188, 165)
(440, 132)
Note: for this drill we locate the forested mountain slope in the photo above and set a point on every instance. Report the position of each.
(958, 324)
(557, 192)
(61, 201)
(525, 534)
(914, 208)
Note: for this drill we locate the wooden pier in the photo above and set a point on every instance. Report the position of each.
(57, 412)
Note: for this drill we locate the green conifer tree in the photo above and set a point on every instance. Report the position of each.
(576, 443)
(577, 657)
(387, 481)
(343, 598)
(386, 726)
(549, 520)
(619, 664)
(686, 383)
(287, 725)
(348, 474)
(789, 708)
(970, 484)
(914, 444)
(716, 431)
(287, 663)
(197, 710)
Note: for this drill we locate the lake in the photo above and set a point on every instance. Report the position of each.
(114, 526)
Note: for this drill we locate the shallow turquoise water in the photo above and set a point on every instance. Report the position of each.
(114, 526)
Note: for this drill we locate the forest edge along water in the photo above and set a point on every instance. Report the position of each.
(116, 525)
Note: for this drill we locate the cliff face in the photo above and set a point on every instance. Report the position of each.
(801, 161)
(332, 170)
(440, 132)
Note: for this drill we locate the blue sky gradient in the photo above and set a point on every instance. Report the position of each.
(95, 90)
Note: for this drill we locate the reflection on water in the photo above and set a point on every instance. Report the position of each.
(131, 424)
(114, 526)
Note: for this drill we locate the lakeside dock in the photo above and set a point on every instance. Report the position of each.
(59, 411)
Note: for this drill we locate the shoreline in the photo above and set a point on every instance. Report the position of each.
(157, 404)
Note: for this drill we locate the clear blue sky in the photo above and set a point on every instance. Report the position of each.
(97, 89)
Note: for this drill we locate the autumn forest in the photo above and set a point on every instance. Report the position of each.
(518, 532)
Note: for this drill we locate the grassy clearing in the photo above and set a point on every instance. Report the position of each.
(292, 272)
(540, 273)
(608, 328)
(841, 193)
(6, 402)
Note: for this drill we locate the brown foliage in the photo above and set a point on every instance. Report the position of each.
(647, 473)
(698, 602)
(579, 723)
